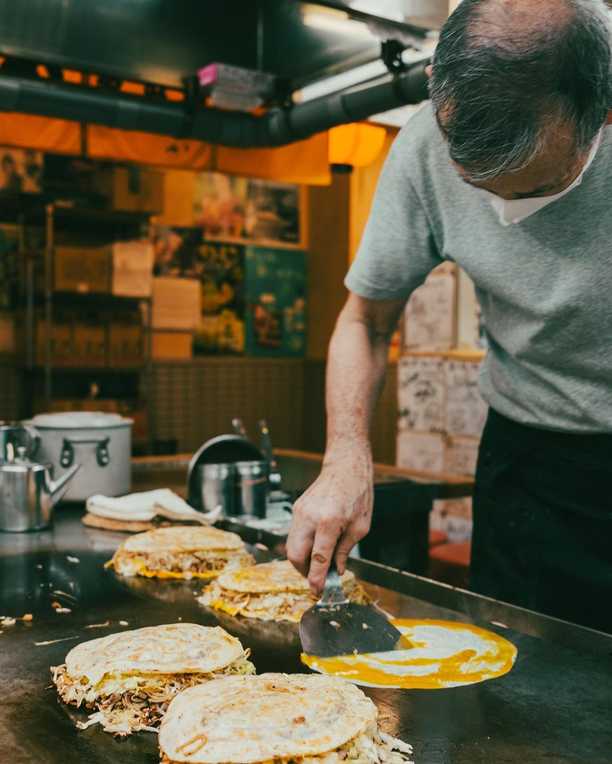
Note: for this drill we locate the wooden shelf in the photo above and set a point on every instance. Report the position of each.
(107, 369)
(33, 205)
(100, 298)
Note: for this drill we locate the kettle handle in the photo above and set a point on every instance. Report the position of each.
(32, 439)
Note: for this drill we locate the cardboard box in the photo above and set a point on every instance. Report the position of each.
(131, 189)
(443, 313)
(468, 313)
(82, 269)
(421, 452)
(90, 343)
(421, 393)
(126, 341)
(466, 410)
(132, 268)
(461, 456)
(430, 317)
(171, 346)
(176, 303)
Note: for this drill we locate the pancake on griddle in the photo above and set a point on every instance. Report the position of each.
(181, 552)
(129, 678)
(276, 717)
(271, 591)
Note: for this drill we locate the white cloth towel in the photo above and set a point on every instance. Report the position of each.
(146, 505)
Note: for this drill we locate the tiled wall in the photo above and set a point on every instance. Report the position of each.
(197, 400)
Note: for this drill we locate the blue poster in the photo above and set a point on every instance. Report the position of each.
(275, 302)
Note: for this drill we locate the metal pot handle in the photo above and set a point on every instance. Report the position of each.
(102, 454)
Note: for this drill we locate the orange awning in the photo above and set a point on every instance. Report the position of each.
(147, 148)
(303, 162)
(28, 131)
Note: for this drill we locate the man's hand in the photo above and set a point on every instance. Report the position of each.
(335, 512)
(333, 515)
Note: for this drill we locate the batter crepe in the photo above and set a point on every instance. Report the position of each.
(275, 717)
(129, 678)
(180, 552)
(271, 591)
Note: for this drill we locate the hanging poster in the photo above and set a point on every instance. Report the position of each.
(276, 302)
(219, 267)
(246, 210)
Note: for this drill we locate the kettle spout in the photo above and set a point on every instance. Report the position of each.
(57, 488)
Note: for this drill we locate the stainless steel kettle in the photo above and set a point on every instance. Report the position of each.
(28, 494)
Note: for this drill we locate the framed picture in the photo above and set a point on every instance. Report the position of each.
(246, 210)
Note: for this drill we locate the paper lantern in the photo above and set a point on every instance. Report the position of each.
(356, 144)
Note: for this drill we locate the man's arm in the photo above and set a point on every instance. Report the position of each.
(335, 512)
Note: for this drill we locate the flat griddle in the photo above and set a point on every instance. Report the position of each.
(553, 708)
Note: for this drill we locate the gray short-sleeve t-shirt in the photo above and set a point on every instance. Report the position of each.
(544, 285)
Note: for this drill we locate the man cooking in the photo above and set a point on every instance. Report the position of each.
(507, 172)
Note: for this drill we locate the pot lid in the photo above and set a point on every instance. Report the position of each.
(80, 419)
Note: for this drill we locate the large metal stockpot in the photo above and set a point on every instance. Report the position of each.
(101, 443)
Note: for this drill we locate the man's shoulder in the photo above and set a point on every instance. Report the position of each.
(420, 139)
(422, 155)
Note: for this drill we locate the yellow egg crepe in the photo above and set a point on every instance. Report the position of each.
(442, 654)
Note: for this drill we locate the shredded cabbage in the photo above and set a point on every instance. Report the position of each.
(137, 702)
(278, 606)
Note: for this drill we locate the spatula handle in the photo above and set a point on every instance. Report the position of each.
(333, 593)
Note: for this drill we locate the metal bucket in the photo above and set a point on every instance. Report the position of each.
(241, 488)
(252, 488)
(216, 484)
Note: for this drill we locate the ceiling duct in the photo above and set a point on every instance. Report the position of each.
(276, 127)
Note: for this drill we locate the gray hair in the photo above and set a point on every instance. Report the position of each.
(498, 88)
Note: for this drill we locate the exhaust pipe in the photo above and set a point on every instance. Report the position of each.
(278, 127)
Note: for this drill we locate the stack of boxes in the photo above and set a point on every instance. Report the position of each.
(98, 334)
(441, 412)
(176, 316)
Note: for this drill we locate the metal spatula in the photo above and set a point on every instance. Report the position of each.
(336, 626)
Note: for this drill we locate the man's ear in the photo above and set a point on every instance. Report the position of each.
(429, 71)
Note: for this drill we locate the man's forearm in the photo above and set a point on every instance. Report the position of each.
(355, 375)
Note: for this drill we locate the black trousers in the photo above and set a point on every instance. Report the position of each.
(543, 521)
